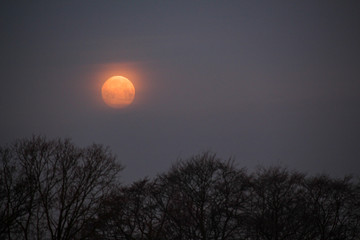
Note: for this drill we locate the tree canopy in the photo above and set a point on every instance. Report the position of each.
(51, 189)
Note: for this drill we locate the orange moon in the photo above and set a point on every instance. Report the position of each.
(118, 92)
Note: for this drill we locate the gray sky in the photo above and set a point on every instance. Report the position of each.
(266, 82)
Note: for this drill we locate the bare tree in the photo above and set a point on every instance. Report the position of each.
(201, 198)
(278, 208)
(65, 182)
(131, 212)
(334, 205)
(205, 199)
(14, 194)
(51, 189)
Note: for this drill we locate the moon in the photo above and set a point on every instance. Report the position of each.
(118, 92)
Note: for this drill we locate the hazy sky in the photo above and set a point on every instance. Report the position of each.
(266, 82)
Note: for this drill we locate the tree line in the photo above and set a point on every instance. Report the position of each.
(52, 189)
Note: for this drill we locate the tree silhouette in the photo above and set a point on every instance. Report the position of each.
(129, 213)
(205, 198)
(334, 204)
(278, 208)
(55, 190)
(65, 185)
(15, 195)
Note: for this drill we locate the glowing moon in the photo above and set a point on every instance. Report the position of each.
(118, 92)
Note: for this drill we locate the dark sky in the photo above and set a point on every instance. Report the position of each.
(265, 82)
